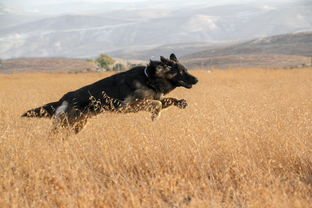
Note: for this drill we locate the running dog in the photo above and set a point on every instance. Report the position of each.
(138, 89)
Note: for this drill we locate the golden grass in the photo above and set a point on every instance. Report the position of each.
(245, 140)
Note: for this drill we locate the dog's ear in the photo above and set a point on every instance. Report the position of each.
(173, 57)
(151, 62)
(164, 60)
(154, 63)
(157, 67)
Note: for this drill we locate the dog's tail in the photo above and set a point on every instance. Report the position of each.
(48, 110)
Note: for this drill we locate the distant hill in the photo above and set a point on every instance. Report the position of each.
(247, 60)
(53, 65)
(165, 50)
(277, 51)
(46, 65)
(289, 50)
(289, 44)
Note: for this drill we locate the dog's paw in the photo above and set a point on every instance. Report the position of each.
(181, 104)
(155, 116)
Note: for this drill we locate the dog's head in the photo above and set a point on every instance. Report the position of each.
(173, 71)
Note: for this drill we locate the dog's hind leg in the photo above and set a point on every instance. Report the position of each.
(78, 123)
(70, 118)
(60, 119)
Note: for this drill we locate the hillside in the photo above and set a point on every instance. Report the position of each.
(287, 51)
(178, 48)
(54, 65)
(299, 44)
(247, 60)
(275, 51)
(46, 65)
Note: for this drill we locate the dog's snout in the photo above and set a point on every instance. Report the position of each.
(195, 80)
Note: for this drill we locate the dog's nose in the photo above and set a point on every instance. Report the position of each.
(195, 80)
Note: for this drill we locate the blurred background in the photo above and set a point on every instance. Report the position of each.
(70, 35)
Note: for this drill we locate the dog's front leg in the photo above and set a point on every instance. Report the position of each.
(166, 102)
(152, 106)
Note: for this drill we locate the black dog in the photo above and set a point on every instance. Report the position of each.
(138, 89)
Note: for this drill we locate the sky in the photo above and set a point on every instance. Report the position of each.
(77, 6)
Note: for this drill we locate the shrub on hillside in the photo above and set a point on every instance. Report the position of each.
(104, 62)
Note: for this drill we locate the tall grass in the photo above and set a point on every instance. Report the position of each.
(245, 140)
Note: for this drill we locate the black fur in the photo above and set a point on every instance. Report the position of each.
(131, 91)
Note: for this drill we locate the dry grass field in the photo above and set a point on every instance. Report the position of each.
(245, 140)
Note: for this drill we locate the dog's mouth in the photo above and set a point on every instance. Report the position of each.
(186, 85)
